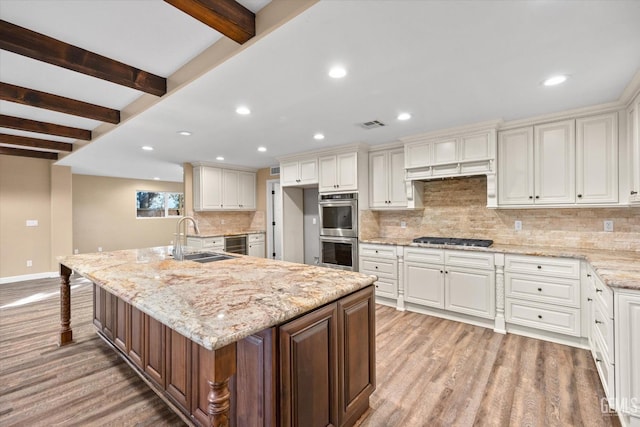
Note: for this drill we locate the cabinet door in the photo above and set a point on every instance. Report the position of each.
(308, 171)
(554, 159)
(154, 350)
(476, 147)
(378, 180)
(109, 323)
(136, 337)
(178, 363)
(424, 284)
(327, 174)
(418, 155)
(211, 187)
(633, 135)
(308, 371)
(445, 151)
(289, 174)
(121, 325)
(397, 190)
(627, 353)
(347, 169)
(230, 189)
(356, 350)
(515, 167)
(247, 190)
(256, 249)
(470, 291)
(597, 159)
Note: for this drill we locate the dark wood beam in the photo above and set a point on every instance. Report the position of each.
(20, 123)
(28, 153)
(35, 98)
(43, 48)
(25, 141)
(225, 16)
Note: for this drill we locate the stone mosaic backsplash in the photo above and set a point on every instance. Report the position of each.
(457, 208)
(211, 223)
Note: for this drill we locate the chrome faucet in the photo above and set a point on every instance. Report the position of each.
(177, 253)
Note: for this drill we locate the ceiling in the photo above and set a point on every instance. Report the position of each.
(448, 63)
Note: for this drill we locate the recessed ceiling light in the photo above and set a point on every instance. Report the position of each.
(262, 149)
(404, 116)
(555, 80)
(337, 72)
(220, 158)
(147, 148)
(243, 111)
(184, 133)
(318, 136)
(156, 178)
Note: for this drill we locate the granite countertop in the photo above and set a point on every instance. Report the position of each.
(618, 269)
(235, 233)
(217, 303)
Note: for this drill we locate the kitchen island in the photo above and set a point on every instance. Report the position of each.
(244, 341)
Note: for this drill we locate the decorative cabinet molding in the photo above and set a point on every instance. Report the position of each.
(387, 187)
(223, 189)
(627, 355)
(338, 173)
(298, 173)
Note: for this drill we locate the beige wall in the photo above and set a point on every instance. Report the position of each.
(33, 189)
(104, 214)
(456, 208)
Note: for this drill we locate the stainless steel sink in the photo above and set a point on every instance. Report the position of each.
(207, 257)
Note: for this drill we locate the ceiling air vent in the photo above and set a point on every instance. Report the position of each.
(275, 170)
(372, 124)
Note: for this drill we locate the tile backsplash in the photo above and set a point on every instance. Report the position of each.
(230, 222)
(457, 208)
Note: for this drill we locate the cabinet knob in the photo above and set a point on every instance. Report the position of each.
(539, 267)
(441, 271)
(376, 251)
(579, 196)
(377, 286)
(537, 197)
(376, 267)
(530, 197)
(598, 360)
(539, 316)
(599, 322)
(598, 290)
(589, 299)
(539, 289)
(588, 275)
(633, 193)
(446, 272)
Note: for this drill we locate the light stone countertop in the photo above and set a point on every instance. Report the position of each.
(217, 303)
(617, 269)
(235, 233)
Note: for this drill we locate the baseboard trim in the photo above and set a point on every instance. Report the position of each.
(24, 277)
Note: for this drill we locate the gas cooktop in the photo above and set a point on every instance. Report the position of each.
(453, 241)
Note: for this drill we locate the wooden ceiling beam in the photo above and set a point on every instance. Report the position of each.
(25, 42)
(28, 153)
(26, 141)
(20, 123)
(225, 16)
(35, 98)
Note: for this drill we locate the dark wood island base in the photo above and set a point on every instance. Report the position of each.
(315, 370)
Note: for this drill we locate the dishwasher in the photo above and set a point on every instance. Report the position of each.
(236, 244)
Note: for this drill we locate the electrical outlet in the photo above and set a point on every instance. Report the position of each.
(32, 223)
(99, 248)
(29, 263)
(518, 225)
(608, 225)
(222, 221)
(403, 224)
(313, 220)
(75, 251)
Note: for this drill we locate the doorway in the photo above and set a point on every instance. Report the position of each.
(274, 219)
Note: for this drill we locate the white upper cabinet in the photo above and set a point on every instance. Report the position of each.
(338, 173)
(515, 167)
(633, 132)
(597, 159)
(297, 173)
(386, 179)
(554, 162)
(223, 189)
(464, 154)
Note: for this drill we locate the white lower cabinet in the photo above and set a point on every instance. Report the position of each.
(381, 261)
(256, 245)
(457, 281)
(208, 243)
(627, 355)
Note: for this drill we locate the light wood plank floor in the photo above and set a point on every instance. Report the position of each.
(431, 372)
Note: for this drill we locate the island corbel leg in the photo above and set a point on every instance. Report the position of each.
(66, 334)
(219, 397)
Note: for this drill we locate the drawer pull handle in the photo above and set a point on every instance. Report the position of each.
(539, 289)
(377, 286)
(633, 193)
(539, 316)
(588, 275)
(579, 196)
(598, 360)
(589, 299)
(539, 267)
(599, 322)
(598, 290)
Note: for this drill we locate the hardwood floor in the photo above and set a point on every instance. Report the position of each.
(430, 372)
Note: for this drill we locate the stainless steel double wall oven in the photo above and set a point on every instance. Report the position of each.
(339, 230)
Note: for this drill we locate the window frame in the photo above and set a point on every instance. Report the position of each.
(166, 210)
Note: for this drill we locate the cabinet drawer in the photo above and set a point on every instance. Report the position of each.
(604, 366)
(378, 251)
(543, 289)
(387, 288)
(379, 267)
(469, 259)
(544, 266)
(563, 320)
(602, 329)
(430, 256)
(602, 295)
(255, 238)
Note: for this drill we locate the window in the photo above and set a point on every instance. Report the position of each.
(158, 204)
